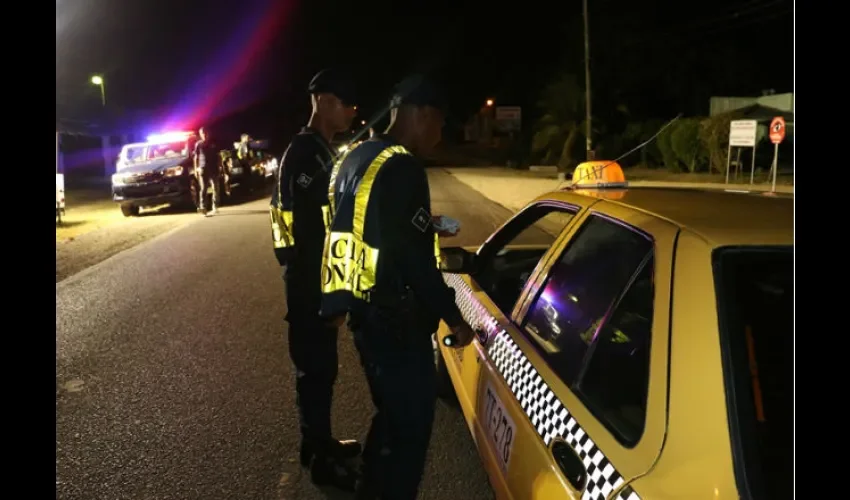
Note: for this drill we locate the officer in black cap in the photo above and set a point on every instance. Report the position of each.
(299, 218)
(380, 266)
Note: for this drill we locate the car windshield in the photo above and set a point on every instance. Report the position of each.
(756, 307)
(168, 150)
(135, 154)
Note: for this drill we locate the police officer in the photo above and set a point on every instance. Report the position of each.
(242, 150)
(299, 216)
(380, 266)
(207, 171)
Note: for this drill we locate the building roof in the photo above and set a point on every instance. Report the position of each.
(761, 112)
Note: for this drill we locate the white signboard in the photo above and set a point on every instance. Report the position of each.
(509, 118)
(742, 133)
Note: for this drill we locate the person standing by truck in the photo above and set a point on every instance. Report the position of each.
(206, 171)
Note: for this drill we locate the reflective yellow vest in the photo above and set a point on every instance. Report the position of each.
(280, 211)
(350, 259)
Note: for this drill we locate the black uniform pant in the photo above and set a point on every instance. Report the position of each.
(208, 180)
(313, 351)
(399, 368)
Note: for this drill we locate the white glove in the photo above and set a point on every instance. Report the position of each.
(446, 224)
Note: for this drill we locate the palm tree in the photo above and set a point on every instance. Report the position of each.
(562, 124)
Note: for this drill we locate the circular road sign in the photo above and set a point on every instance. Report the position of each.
(777, 130)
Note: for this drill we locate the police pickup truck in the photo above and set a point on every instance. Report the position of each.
(248, 174)
(155, 172)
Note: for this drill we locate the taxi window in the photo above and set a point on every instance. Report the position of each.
(510, 256)
(582, 288)
(755, 296)
(615, 378)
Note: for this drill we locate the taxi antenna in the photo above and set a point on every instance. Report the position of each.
(627, 153)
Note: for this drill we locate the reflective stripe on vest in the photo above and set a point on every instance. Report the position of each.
(334, 172)
(281, 219)
(437, 249)
(282, 236)
(350, 264)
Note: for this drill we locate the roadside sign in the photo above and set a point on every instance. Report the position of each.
(777, 130)
(742, 133)
(777, 135)
(509, 118)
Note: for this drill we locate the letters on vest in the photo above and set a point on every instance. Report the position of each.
(281, 227)
(282, 234)
(349, 263)
(282, 218)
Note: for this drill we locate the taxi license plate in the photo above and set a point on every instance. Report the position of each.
(499, 427)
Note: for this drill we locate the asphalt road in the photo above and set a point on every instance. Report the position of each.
(85, 250)
(172, 375)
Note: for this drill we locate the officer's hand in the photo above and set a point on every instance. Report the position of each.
(463, 334)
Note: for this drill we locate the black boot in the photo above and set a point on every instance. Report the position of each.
(344, 450)
(366, 489)
(306, 453)
(327, 471)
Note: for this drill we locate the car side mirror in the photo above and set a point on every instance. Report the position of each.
(457, 260)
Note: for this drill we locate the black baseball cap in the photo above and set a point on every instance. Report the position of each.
(418, 90)
(334, 81)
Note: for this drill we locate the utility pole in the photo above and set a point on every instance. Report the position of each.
(587, 83)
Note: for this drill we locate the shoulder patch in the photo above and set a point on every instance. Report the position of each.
(304, 180)
(421, 220)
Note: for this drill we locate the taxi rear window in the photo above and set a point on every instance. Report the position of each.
(755, 290)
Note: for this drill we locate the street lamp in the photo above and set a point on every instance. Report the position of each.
(489, 102)
(588, 117)
(98, 80)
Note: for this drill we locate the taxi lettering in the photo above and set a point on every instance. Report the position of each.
(500, 426)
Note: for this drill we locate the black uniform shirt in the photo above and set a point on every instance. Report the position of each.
(207, 156)
(304, 176)
(407, 237)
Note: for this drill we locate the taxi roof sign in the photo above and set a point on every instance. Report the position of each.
(599, 174)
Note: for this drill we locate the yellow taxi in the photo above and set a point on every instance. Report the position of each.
(633, 343)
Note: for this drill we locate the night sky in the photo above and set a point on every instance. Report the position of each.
(245, 65)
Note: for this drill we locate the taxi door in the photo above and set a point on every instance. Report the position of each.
(534, 232)
(542, 440)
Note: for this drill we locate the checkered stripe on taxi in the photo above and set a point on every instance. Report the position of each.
(545, 411)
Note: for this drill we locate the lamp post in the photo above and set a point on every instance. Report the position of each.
(98, 80)
(587, 81)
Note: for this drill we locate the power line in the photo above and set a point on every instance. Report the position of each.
(755, 8)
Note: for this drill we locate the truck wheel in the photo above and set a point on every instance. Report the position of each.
(226, 192)
(129, 210)
(193, 194)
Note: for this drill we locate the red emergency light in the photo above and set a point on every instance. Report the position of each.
(169, 137)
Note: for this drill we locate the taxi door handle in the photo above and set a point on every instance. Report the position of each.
(570, 464)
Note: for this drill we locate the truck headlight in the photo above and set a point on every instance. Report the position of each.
(174, 171)
(117, 179)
